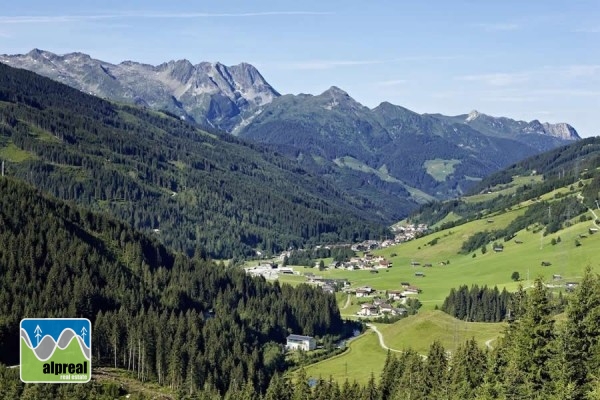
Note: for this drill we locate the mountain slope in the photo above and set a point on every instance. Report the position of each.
(210, 93)
(575, 166)
(175, 313)
(393, 157)
(197, 191)
(440, 156)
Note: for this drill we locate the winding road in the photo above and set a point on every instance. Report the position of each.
(381, 342)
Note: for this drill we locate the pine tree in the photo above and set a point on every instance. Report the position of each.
(301, 389)
(581, 335)
(436, 366)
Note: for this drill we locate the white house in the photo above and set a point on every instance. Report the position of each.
(299, 342)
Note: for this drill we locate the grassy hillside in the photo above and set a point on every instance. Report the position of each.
(419, 331)
(363, 357)
(365, 354)
(199, 192)
(524, 254)
(177, 313)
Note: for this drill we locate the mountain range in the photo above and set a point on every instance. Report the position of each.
(391, 156)
(202, 193)
(212, 94)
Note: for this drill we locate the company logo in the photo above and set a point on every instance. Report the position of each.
(56, 350)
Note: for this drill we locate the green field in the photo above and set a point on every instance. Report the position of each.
(492, 269)
(419, 331)
(439, 169)
(365, 354)
(363, 357)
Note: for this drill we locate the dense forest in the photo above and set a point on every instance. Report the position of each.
(481, 304)
(186, 323)
(538, 358)
(199, 192)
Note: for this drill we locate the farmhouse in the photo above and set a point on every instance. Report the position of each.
(411, 290)
(385, 308)
(299, 342)
(364, 291)
(395, 295)
(368, 310)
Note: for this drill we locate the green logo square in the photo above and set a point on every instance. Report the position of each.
(56, 350)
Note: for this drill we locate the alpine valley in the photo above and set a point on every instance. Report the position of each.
(393, 158)
(111, 209)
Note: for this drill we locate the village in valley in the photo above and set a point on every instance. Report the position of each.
(373, 303)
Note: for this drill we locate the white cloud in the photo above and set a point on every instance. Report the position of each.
(320, 64)
(31, 19)
(497, 79)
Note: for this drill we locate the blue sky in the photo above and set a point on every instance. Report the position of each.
(521, 59)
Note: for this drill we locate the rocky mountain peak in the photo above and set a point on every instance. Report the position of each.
(222, 96)
(561, 130)
(335, 91)
(473, 115)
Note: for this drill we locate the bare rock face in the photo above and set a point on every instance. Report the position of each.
(561, 130)
(210, 93)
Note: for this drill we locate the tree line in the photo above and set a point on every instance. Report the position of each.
(537, 358)
(186, 323)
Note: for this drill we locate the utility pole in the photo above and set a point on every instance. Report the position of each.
(3, 170)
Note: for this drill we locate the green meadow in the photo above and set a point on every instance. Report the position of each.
(363, 357)
(419, 331)
(523, 254)
(491, 268)
(365, 354)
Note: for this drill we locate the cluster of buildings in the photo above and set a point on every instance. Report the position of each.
(327, 284)
(368, 261)
(402, 233)
(382, 306)
(269, 271)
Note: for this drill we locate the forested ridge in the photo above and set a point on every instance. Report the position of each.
(561, 167)
(538, 358)
(188, 324)
(201, 191)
